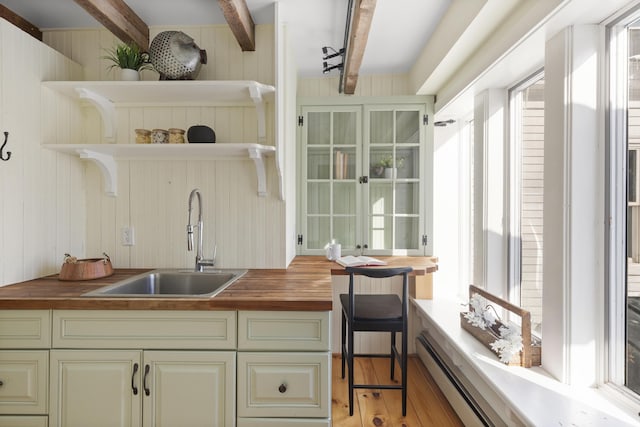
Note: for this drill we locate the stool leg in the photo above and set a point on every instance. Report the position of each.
(392, 356)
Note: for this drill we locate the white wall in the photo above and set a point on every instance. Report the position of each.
(42, 213)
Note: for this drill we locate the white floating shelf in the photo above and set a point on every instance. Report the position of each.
(106, 95)
(105, 156)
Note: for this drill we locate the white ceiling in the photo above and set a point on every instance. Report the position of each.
(399, 30)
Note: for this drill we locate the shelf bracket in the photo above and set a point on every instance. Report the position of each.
(108, 167)
(106, 109)
(256, 97)
(258, 160)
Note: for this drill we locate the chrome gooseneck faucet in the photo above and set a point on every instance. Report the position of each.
(200, 261)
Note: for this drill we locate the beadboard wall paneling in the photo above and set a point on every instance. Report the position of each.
(225, 59)
(42, 212)
(378, 85)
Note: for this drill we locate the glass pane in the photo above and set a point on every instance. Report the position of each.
(381, 229)
(344, 128)
(344, 231)
(380, 159)
(407, 198)
(407, 229)
(407, 127)
(531, 201)
(380, 199)
(318, 232)
(318, 198)
(344, 198)
(319, 128)
(407, 160)
(381, 127)
(318, 163)
(632, 258)
(344, 163)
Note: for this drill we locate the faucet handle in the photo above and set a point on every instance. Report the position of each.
(189, 237)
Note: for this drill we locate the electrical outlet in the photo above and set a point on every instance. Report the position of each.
(126, 236)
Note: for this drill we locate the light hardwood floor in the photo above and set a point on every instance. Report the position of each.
(426, 405)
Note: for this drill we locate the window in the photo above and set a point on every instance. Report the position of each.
(526, 196)
(624, 205)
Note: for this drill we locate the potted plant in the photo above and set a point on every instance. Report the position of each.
(130, 59)
(385, 166)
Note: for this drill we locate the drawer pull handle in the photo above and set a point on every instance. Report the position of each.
(147, 392)
(135, 369)
(1, 383)
(282, 388)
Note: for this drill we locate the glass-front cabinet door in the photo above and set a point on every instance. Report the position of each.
(331, 149)
(395, 138)
(363, 178)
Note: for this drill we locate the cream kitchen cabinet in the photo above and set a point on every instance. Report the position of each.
(25, 337)
(284, 368)
(142, 388)
(177, 368)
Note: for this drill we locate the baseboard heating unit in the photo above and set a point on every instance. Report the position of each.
(465, 399)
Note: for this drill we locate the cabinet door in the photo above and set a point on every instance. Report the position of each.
(394, 155)
(23, 381)
(98, 388)
(189, 388)
(331, 150)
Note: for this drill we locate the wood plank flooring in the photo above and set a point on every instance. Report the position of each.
(426, 405)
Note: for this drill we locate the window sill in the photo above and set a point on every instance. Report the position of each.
(519, 395)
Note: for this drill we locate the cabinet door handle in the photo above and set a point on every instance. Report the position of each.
(1, 383)
(282, 388)
(133, 386)
(147, 392)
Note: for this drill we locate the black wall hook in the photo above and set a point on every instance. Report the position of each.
(6, 137)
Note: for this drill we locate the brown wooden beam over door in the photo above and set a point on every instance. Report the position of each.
(239, 19)
(359, 34)
(120, 19)
(20, 22)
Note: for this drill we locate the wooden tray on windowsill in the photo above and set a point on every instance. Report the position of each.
(531, 353)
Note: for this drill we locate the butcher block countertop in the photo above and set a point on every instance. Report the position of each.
(305, 285)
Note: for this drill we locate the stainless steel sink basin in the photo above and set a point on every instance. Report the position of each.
(171, 283)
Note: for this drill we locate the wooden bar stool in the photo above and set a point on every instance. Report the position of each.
(376, 313)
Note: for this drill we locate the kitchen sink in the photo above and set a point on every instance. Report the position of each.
(171, 283)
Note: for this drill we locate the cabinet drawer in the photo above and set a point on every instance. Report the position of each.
(24, 376)
(283, 422)
(295, 385)
(139, 329)
(25, 328)
(278, 330)
(23, 421)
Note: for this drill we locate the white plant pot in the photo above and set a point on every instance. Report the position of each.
(129, 75)
(390, 173)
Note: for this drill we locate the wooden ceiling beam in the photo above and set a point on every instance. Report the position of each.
(20, 22)
(359, 34)
(241, 23)
(120, 19)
